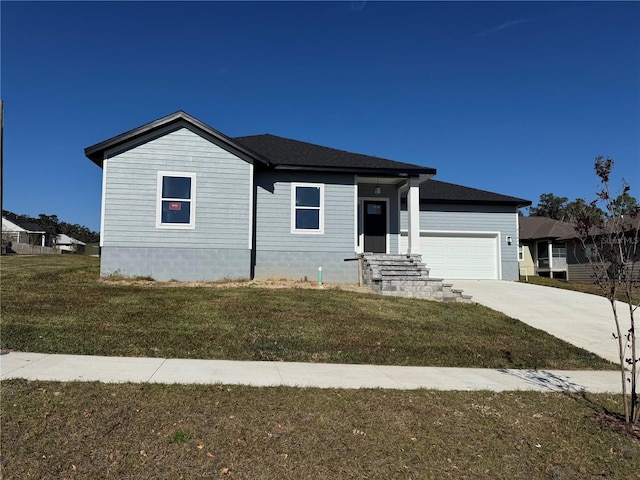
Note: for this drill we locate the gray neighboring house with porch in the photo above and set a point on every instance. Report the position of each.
(181, 200)
(544, 244)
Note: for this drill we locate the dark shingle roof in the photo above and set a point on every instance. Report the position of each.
(16, 220)
(268, 150)
(435, 191)
(284, 153)
(532, 228)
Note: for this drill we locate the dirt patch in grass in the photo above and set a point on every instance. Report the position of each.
(258, 283)
(90, 430)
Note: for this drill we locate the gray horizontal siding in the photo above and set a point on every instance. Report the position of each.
(580, 273)
(475, 218)
(222, 194)
(184, 264)
(273, 214)
(583, 272)
(464, 217)
(578, 269)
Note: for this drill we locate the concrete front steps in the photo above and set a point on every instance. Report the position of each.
(406, 276)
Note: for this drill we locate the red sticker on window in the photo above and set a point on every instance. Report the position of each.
(175, 206)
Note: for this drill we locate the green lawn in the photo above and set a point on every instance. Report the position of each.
(576, 287)
(53, 430)
(57, 304)
(90, 430)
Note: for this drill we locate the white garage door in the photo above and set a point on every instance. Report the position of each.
(465, 255)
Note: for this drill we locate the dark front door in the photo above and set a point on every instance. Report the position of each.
(375, 226)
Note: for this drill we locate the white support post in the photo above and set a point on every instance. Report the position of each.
(413, 210)
(550, 250)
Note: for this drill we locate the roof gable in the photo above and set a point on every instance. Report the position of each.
(165, 125)
(435, 191)
(24, 224)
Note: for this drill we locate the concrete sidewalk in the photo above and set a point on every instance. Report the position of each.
(39, 366)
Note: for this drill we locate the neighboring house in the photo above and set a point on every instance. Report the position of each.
(579, 268)
(17, 231)
(544, 243)
(183, 201)
(551, 248)
(67, 244)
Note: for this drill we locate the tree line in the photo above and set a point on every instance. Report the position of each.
(54, 226)
(560, 208)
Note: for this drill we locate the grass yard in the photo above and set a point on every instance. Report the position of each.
(58, 304)
(576, 287)
(121, 431)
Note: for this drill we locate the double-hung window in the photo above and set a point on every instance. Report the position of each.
(176, 203)
(307, 208)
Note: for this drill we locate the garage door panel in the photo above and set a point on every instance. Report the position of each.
(468, 255)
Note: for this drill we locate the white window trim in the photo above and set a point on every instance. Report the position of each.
(299, 231)
(192, 218)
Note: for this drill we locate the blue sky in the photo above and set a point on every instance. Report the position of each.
(516, 98)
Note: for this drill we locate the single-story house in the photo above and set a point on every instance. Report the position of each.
(181, 200)
(16, 230)
(551, 248)
(544, 243)
(67, 244)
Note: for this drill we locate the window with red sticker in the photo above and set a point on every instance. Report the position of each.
(176, 199)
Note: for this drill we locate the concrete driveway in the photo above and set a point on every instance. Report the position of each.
(578, 318)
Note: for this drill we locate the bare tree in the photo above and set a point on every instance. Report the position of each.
(610, 245)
